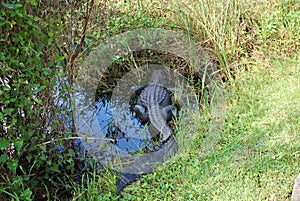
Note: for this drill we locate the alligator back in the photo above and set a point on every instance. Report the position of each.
(154, 97)
(154, 94)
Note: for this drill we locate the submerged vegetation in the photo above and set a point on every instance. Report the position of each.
(254, 44)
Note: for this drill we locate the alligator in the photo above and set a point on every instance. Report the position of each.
(154, 106)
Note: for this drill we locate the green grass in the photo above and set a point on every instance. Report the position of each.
(257, 155)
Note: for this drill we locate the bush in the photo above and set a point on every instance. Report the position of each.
(31, 64)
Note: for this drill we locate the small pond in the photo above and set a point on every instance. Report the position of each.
(108, 124)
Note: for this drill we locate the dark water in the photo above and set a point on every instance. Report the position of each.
(109, 129)
(126, 137)
(106, 121)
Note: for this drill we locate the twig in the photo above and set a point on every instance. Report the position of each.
(75, 55)
(73, 138)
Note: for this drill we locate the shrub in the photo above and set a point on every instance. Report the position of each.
(31, 118)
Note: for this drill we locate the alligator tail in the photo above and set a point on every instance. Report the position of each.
(146, 163)
(124, 180)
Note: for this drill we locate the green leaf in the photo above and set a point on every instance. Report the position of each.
(26, 195)
(12, 165)
(29, 22)
(18, 144)
(6, 88)
(4, 143)
(35, 18)
(38, 101)
(13, 122)
(11, 6)
(54, 168)
(3, 158)
(6, 96)
(2, 119)
(8, 111)
(60, 58)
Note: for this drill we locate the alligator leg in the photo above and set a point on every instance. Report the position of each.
(169, 112)
(154, 132)
(137, 88)
(141, 113)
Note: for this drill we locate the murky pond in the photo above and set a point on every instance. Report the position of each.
(108, 124)
(126, 136)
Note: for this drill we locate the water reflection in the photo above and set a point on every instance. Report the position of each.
(126, 136)
(106, 121)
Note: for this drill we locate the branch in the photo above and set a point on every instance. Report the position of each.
(75, 55)
(84, 31)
